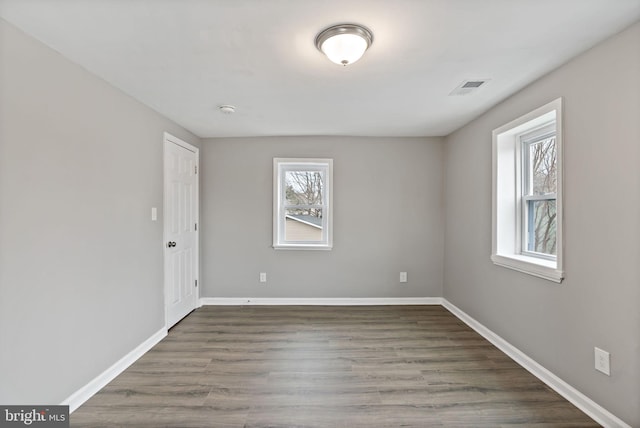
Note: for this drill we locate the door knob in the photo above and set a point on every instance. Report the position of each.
(171, 244)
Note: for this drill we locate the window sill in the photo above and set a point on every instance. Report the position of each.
(302, 247)
(545, 269)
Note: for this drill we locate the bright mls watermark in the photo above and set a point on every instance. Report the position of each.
(34, 416)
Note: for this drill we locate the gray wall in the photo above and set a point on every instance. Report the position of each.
(81, 166)
(597, 304)
(80, 259)
(387, 218)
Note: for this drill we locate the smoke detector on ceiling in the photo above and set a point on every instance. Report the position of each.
(468, 86)
(227, 109)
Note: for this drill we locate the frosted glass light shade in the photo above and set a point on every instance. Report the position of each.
(344, 44)
(344, 49)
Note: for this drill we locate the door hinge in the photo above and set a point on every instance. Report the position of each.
(196, 169)
(196, 282)
(196, 226)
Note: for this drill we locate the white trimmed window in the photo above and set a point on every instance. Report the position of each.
(302, 203)
(527, 193)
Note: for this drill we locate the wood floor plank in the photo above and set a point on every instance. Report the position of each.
(301, 366)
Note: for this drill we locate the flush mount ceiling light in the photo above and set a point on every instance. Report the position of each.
(344, 44)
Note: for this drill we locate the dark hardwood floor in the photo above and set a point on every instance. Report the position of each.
(310, 366)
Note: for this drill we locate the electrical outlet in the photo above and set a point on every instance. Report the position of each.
(403, 277)
(602, 360)
(263, 277)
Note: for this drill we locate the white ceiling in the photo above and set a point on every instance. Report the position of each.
(184, 58)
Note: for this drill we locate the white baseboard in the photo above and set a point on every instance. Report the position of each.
(320, 301)
(76, 399)
(578, 399)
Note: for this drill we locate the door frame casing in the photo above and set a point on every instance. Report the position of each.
(171, 139)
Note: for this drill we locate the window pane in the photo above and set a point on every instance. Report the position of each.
(542, 156)
(303, 225)
(542, 226)
(304, 187)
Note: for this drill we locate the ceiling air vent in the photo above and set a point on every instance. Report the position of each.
(468, 86)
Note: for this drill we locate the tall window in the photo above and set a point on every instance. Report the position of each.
(539, 191)
(302, 203)
(527, 193)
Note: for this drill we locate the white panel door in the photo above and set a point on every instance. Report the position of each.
(180, 226)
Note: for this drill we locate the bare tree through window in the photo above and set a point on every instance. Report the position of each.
(304, 191)
(541, 200)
